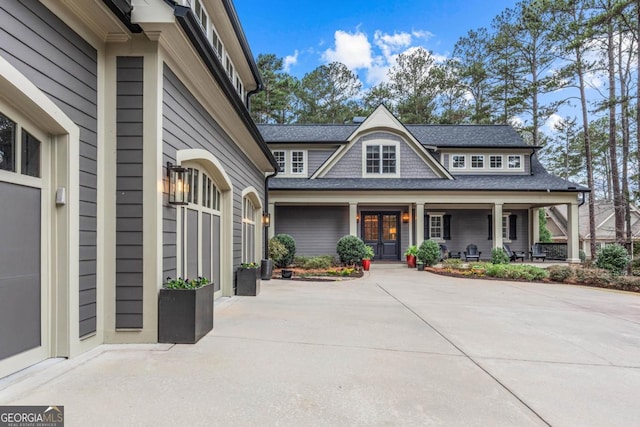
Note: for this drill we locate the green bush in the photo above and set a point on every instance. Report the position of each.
(516, 271)
(559, 273)
(316, 262)
(290, 244)
(499, 256)
(452, 262)
(582, 255)
(351, 250)
(277, 251)
(613, 258)
(429, 253)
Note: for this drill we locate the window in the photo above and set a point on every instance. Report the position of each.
(381, 159)
(248, 230)
(239, 86)
(477, 162)
(435, 227)
(216, 43)
(505, 227)
(297, 162)
(229, 67)
(201, 14)
(281, 159)
(458, 161)
(515, 162)
(18, 155)
(495, 162)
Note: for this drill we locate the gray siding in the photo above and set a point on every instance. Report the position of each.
(317, 159)
(129, 250)
(411, 164)
(19, 269)
(186, 124)
(472, 227)
(64, 66)
(316, 229)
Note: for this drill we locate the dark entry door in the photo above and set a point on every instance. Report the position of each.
(380, 230)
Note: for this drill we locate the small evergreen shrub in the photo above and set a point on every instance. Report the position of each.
(499, 256)
(429, 253)
(351, 250)
(452, 262)
(559, 273)
(277, 251)
(316, 262)
(290, 244)
(613, 258)
(593, 277)
(582, 255)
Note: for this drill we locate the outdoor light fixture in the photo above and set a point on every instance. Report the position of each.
(178, 185)
(266, 219)
(405, 217)
(358, 218)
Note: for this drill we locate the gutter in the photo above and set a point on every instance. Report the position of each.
(266, 211)
(122, 9)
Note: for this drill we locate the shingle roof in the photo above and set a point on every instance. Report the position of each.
(436, 135)
(540, 181)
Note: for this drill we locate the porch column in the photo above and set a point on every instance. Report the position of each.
(410, 209)
(497, 225)
(535, 225)
(272, 227)
(353, 221)
(419, 223)
(573, 250)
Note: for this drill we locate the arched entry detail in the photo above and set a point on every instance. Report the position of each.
(211, 167)
(251, 225)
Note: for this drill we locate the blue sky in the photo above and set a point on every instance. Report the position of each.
(365, 35)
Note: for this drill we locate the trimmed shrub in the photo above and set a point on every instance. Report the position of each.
(593, 276)
(516, 271)
(351, 250)
(452, 262)
(613, 258)
(429, 253)
(315, 262)
(290, 245)
(499, 256)
(582, 255)
(277, 251)
(559, 273)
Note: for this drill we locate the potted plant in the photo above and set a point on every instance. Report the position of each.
(185, 310)
(411, 253)
(368, 256)
(248, 279)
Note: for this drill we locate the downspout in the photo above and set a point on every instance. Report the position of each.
(583, 198)
(533, 153)
(266, 212)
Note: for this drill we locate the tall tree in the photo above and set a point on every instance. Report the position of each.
(275, 103)
(325, 92)
(411, 82)
(471, 53)
(452, 103)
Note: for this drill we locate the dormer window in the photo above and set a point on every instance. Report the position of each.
(515, 162)
(381, 159)
(291, 162)
(458, 161)
(477, 162)
(495, 162)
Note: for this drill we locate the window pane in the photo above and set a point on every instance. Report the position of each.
(373, 159)
(477, 161)
(370, 227)
(496, 162)
(505, 227)
(30, 155)
(280, 159)
(458, 161)
(7, 143)
(196, 185)
(435, 231)
(388, 159)
(189, 179)
(297, 162)
(389, 227)
(514, 162)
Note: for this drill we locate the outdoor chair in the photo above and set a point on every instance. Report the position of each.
(454, 254)
(472, 253)
(444, 253)
(513, 256)
(537, 252)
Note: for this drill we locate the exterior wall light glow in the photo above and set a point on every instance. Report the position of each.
(405, 217)
(266, 219)
(178, 184)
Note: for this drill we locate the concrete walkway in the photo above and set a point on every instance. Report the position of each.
(397, 347)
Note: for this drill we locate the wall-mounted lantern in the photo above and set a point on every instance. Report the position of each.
(405, 217)
(266, 219)
(178, 184)
(358, 218)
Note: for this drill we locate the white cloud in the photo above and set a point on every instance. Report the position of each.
(290, 60)
(552, 123)
(353, 50)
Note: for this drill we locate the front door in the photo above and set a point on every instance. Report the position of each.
(380, 230)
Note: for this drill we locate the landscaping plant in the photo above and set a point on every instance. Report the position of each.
(351, 250)
(290, 244)
(613, 258)
(499, 256)
(429, 253)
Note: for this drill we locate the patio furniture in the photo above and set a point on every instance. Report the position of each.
(472, 253)
(514, 256)
(537, 252)
(454, 254)
(444, 253)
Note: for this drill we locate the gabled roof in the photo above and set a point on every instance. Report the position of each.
(306, 133)
(603, 219)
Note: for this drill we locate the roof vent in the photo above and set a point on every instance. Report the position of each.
(358, 120)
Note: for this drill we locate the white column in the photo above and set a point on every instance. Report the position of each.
(272, 226)
(497, 225)
(573, 250)
(353, 221)
(535, 225)
(411, 222)
(419, 223)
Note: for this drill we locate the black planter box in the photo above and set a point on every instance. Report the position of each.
(248, 282)
(185, 315)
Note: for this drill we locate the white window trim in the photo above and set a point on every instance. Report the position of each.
(23, 124)
(452, 163)
(505, 236)
(288, 163)
(521, 162)
(477, 167)
(366, 144)
(501, 161)
(441, 216)
(284, 167)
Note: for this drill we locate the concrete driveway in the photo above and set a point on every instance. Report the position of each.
(397, 347)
